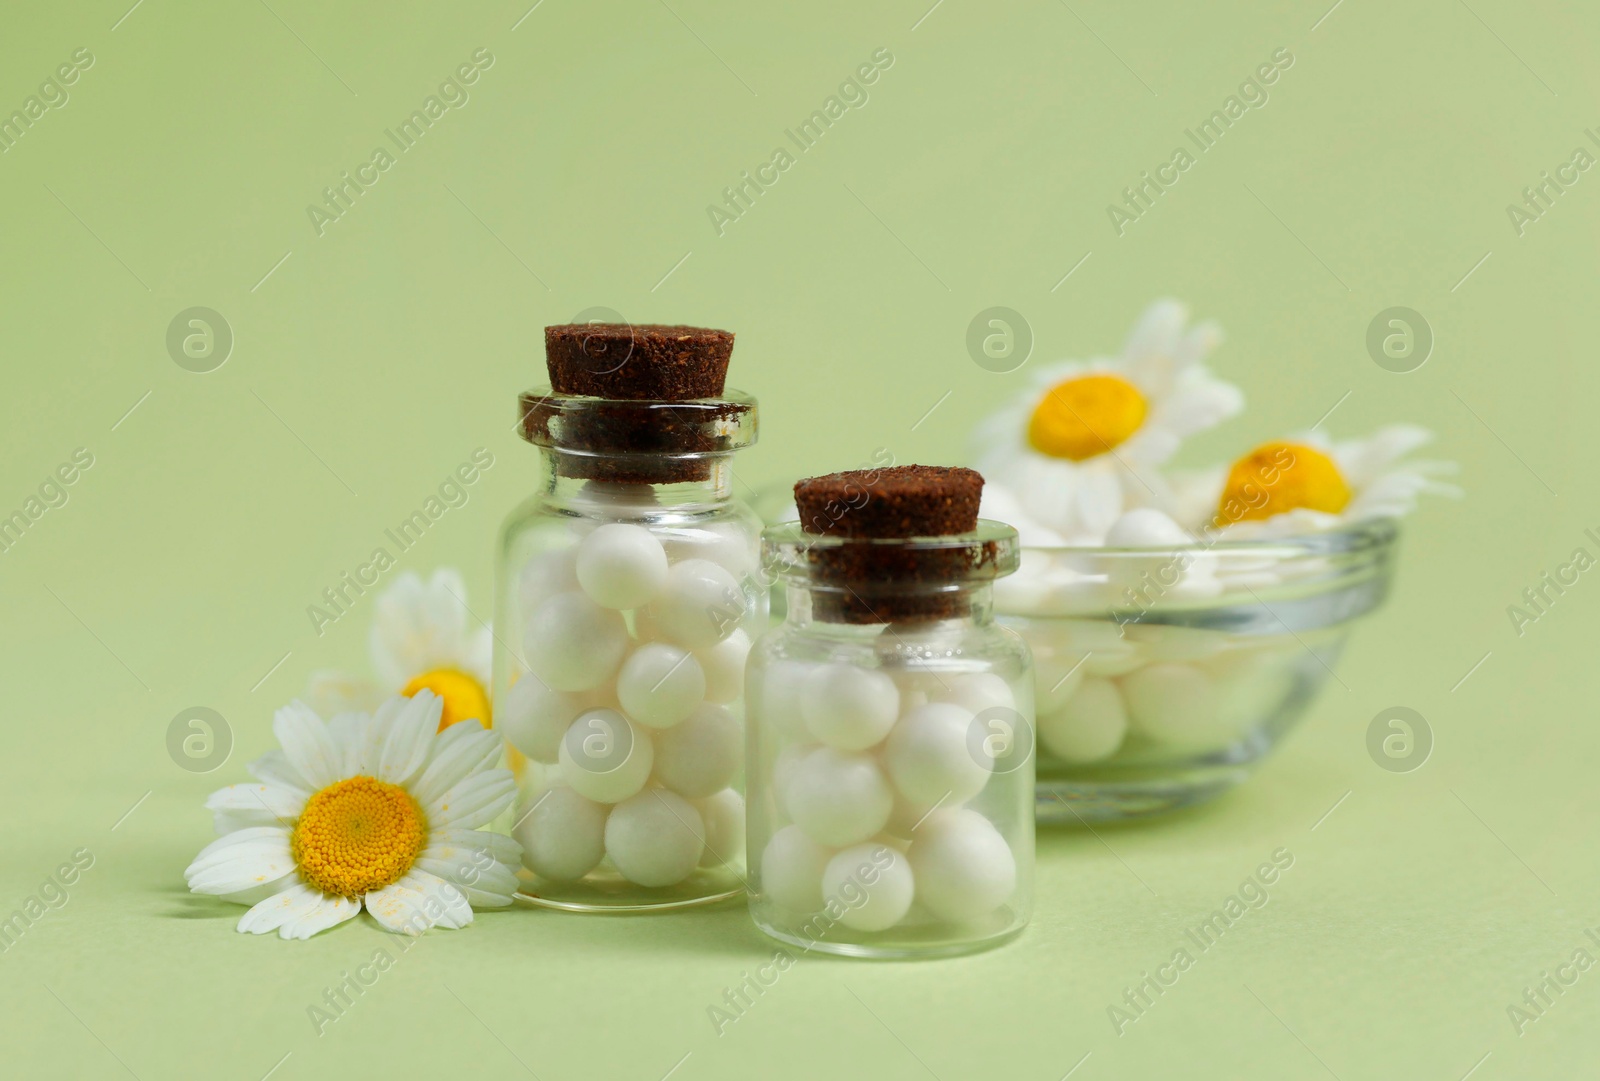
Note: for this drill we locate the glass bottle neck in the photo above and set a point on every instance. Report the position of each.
(816, 608)
(582, 480)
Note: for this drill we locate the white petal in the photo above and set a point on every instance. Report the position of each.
(405, 744)
(241, 860)
(499, 847)
(488, 886)
(1363, 460)
(1150, 357)
(1158, 330)
(457, 757)
(419, 627)
(275, 768)
(482, 865)
(349, 731)
(268, 798)
(1198, 343)
(1096, 505)
(1195, 494)
(417, 902)
(478, 660)
(374, 734)
(242, 805)
(332, 912)
(1195, 405)
(308, 744)
(446, 590)
(392, 630)
(473, 802)
(298, 912)
(256, 894)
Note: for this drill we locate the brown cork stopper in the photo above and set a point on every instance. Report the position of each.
(899, 501)
(646, 362)
(882, 583)
(624, 364)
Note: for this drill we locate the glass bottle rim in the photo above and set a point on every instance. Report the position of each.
(992, 551)
(587, 425)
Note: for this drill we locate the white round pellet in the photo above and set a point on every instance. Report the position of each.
(1146, 527)
(907, 815)
(1090, 726)
(736, 548)
(1197, 584)
(1055, 678)
(655, 838)
(929, 757)
(978, 691)
(660, 685)
(1099, 643)
(963, 867)
(621, 565)
(783, 764)
(848, 707)
(1032, 587)
(605, 756)
(1110, 661)
(547, 574)
(733, 546)
(791, 870)
(572, 643)
(912, 648)
(775, 697)
(723, 665)
(700, 605)
(838, 797)
(914, 682)
(723, 815)
(617, 496)
(563, 835)
(702, 754)
(1252, 686)
(873, 882)
(1159, 642)
(1174, 704)
(534, 718)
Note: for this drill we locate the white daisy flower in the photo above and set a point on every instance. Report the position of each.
(1310, 483)
(380, 812)
(420, 638)
(1066, 458)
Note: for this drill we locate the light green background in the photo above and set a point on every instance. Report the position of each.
(376, 357)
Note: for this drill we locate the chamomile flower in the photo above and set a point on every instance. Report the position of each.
(1311, 483)
(1067, 457)
(378, 811)
(420, 638)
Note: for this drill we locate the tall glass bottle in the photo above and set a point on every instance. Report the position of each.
(890, 749)
(626, 606)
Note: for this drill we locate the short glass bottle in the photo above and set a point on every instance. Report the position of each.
(625, 609)
(890, 750)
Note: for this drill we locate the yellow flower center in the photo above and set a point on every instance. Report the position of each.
(463, 696)
(1276, 478)
(1086, 416)
(357, 835)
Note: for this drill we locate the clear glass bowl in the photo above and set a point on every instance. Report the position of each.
(1165, 675)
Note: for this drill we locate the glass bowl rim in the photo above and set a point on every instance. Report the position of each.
(1374, 535)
